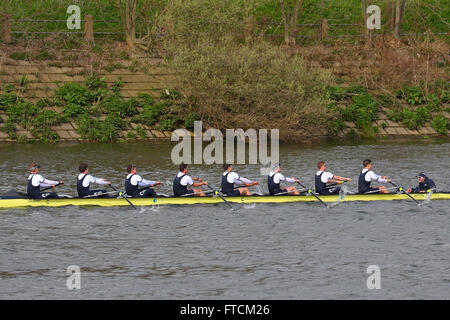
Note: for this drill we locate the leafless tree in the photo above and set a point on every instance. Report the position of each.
(399, 14)
(129, 14)
(289, 12)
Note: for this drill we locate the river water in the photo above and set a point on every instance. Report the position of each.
(265, 251)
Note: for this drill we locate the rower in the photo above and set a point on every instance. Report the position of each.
(229, 178)
(425, 184)
(84, 181)
(323, 177)
(182, 180)
(274, 179)
(36, 181)
(134, 181)
(367, 176)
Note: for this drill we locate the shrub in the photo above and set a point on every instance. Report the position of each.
(440, 124)
(94, 82)
(8, 99)
(190, 119)
(257, 85)
(334, 126)
(150, 114)
(116, 105)
(10, 128)
(142, 133)
(412, 95)
(8, 88)
(73, 93)
(362, 111)
(19, 56)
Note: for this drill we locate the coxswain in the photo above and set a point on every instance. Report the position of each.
(425, 184)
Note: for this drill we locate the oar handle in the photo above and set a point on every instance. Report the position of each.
(405, 192)
(121, 194)
(48, 188)
(220, 195)
(311, 192)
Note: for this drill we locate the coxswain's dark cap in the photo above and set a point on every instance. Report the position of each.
(421, 175)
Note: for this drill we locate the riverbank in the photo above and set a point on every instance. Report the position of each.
(128, 98)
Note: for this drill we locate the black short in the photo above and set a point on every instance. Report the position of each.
(95, 194)
(147, 193)
(330, 191)
(278, 191)
(45, 195)
(235, 193)
(188, 193)
(371, 190)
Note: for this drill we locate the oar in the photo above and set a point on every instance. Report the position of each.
(405, 192)
(98, 195)
(220, 195)
(313, 194)
(48, 188)
(121, 194)
(190, 194)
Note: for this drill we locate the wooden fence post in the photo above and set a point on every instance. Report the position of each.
(324, 29)
(6, 28)
(89, 28)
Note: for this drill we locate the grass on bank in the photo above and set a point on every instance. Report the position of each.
(421, 15)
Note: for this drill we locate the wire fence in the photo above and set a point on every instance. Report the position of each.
(102, 28)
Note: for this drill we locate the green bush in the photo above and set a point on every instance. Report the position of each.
(10, 128)
(150, 114)
(141, 132)
(117, 86)
(362, 111)
(168, 124)
(9, 87)
(191, 117)
(75, 94)
(116, 105)
(8, 99)
(94, 82)
(412, 119)
(412, 95)
(19, 56)
(334, 126)
(441, 124)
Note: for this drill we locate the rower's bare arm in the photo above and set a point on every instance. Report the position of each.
(342, 178)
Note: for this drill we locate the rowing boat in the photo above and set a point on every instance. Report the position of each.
(116, 202)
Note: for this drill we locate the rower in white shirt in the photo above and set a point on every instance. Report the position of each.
(138, 187)
(323, 177)
(230, 178)
(84, 181)
(274, 179)
(36, 182)
(367, 176)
